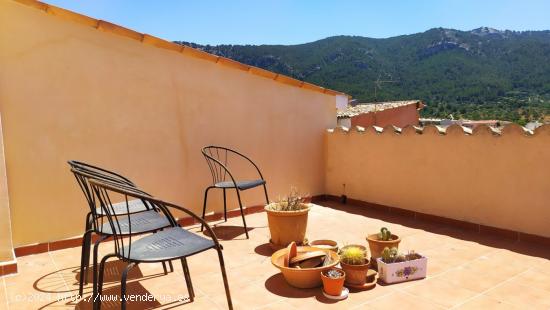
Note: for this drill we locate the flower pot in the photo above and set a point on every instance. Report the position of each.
(303, 278)
(333, 286)
(377, 246)
(325, 244)
(356, 275)
(287, 226)
(402, 271)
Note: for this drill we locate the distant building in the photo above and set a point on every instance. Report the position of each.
(382, 114)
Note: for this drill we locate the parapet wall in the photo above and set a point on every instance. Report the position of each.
(96, 92)
(485, 176)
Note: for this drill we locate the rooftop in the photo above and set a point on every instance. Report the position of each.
(466, 270)
(363, 108)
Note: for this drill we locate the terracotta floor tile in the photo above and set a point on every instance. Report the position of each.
(404, 300)
(441, 292)
(471, 280)
(3, 297)
(521, 295)
(484, 302)
(461, 264)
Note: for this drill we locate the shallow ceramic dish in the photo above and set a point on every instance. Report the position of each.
(303, 278)
(325, 244)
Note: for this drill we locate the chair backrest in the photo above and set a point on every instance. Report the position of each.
(218, 160)
(105, 192)
(101, 173)
(83, 173)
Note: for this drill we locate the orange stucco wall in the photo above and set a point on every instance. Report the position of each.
(68, 91)
(400, 117)
(499, 181)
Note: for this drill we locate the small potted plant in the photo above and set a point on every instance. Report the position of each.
(355, 264)
(394, 267)
(287, 220)
(333, 281)
(381, 240)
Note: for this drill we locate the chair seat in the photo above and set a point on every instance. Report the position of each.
(242, 185)
(170, 243)
(134, 206)
(142, 222)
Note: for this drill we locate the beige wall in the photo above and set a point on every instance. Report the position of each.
(6, 246)
(68, 91)
(501, 181)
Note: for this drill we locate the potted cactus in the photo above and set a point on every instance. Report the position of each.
(355, 264)
(395, 267)
(333, 281)
(381, 240)
(287, 220)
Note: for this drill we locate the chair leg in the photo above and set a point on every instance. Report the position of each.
(224, 206)
(204, 205)
(171, 266)
(84, 260)
(88, 246)
(266, 198)
(187, 276)
(225, 283)
(123, 296)
(164, 268)
(242, 212)
(97, 299)
(94, 267)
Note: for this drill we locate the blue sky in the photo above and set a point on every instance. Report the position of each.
(295, 21)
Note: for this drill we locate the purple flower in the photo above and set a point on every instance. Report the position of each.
(407, 271)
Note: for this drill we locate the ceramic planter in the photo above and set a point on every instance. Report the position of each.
(333, 286)
(287, 226)
(303, 278)
(402, 271)
(377, 246)
(356, 275)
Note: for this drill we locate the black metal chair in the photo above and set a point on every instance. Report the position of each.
(145, 217)
(162, 246)
(217, 158)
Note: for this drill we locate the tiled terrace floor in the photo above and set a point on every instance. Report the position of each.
(465, 271)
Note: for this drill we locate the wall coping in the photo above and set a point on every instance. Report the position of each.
(481, 130)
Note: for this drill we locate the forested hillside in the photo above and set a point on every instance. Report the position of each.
(483, 73)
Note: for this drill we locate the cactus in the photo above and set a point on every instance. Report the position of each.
(353, 256)
(392, 255)
(384, 234)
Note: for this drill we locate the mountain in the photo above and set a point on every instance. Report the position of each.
(483, 73)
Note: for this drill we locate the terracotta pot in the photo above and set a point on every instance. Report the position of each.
(377, 246)
(333, 286)
(287, 226)
(356, 274)
(303, 278)
(325, 244)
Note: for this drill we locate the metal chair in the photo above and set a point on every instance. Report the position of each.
(145, 217)
(162, 246)
(217, 158)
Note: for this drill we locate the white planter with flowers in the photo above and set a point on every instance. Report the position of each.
(394, 267)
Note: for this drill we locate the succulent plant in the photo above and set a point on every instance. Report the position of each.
(294, 201)
(334, 273)
(389, 255)
(393, 256)
(384, 234)
(353, 256)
